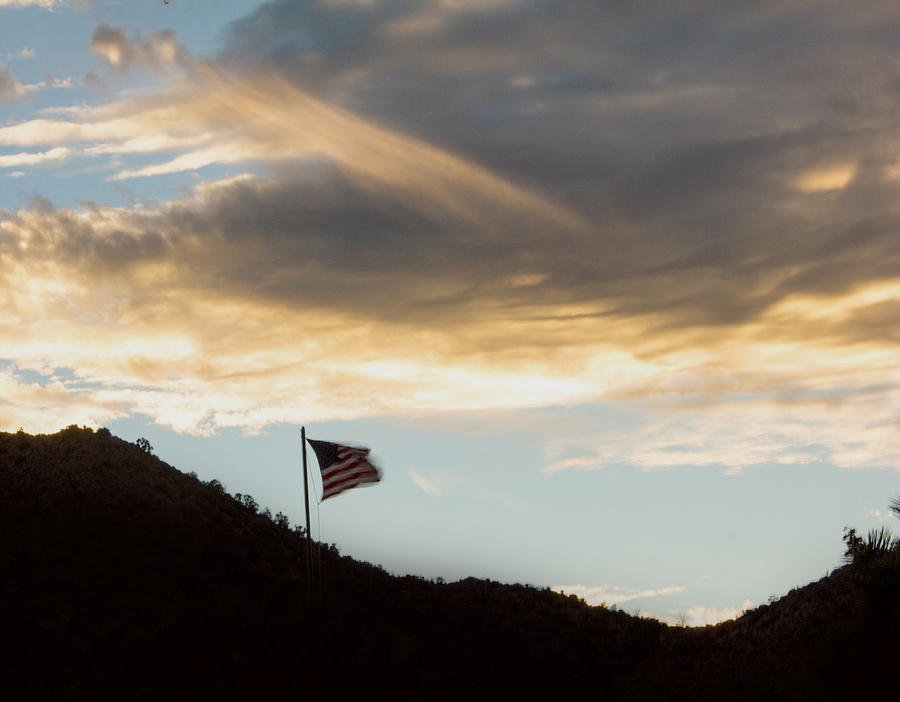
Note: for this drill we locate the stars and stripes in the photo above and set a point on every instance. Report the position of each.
(343, 467)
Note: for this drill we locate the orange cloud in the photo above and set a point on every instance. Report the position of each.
(370, 272)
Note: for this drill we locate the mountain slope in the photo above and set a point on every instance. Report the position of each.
(122, 577)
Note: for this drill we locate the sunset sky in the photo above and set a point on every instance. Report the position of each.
(611, 289)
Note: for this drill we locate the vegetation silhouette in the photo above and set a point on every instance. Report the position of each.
(121, 577)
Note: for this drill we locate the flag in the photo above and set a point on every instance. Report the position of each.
(343, 467)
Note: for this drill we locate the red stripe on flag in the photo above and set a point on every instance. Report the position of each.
(345, 482)
(343, 467)
(340, 477)
(348, 484)
(344, 474)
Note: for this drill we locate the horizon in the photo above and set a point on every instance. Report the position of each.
(610, 293)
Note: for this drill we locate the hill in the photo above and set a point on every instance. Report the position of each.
(124, 578)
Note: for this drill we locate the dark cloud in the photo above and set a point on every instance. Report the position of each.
(316, 239)
(9, 86)
(158, 52)
(719, 158)
(319, 241)
(93, 81)
(683, 133)
(41, 204)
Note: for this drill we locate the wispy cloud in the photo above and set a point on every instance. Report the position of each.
(614, 594)
(699, 615)
(9, 86)
(47, 4)
(26, 52)
(826, 179)
(427, 485)
(438, 485)
(160, 52)
(33, 159)
(49, 405)
(811, 420)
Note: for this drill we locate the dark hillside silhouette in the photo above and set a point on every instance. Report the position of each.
(121, 577)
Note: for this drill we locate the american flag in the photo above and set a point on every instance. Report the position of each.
(343, 467)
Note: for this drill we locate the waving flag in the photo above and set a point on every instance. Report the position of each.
(343, 467)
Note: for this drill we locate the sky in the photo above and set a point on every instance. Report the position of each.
(610, 289)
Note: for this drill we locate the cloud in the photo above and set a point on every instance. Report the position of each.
(668, 212)
(160, 52)
(699, 615)
(428, 486)
(94, 82)
(9, 86)
(670, 153)
(442, 485)
(826, 179)
(268, 119)
(45, 407)
(565, 463)
(54, 82)
(46, 4)
(850, 426)
(32, 159)
(48, 83)
(25, 53)
(146, 281)
(488, 305)
(614, 594)
(434, 486)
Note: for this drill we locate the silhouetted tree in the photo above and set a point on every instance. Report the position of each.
(878, 543)
(144, 445)
(249, 503)
(217, 486)
(894, 506)
(281, 520)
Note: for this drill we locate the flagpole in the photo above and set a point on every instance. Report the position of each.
(305, 479)
(306, 502)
